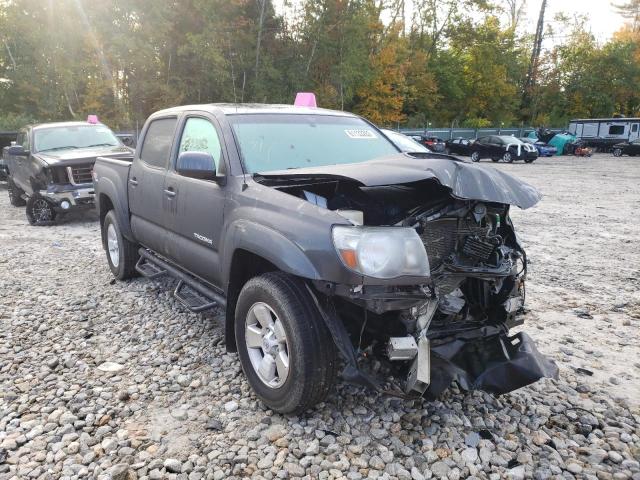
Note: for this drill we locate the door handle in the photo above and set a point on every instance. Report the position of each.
(170, 192)
(133, 181)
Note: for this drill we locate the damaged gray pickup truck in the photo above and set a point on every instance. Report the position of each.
(327, 247)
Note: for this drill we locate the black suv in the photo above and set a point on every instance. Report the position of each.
(502, 147)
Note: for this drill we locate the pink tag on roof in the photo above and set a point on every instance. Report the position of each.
(305, 99)
(92, 119)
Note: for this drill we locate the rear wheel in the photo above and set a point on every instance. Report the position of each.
(475, 156)
(122, 254)
(15, 194)
(39, 211)
(507, 157)
(617, 152)
(285, 349)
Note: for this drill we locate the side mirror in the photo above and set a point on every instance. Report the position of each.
(200, 165)
(17, 151)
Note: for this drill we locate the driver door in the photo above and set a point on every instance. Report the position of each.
(196, 214)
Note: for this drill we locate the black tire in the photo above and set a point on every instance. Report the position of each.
(507, 157)
(475, 156)
(40, 211)
(311, 352)
(617, 152)
(15, 194)
(494, 159)
(529, 160)
(125, 266)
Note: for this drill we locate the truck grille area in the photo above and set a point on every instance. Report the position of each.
(80, 174)
(439, 238)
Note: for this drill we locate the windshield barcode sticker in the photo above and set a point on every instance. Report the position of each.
(360, 133)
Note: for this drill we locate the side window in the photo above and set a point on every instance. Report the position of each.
(634, 127)
(23, 139)
(157, 142)
(199, 135)
(616, 130)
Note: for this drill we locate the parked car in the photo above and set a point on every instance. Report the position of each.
(4, 170)
(627, 148)
(323, 242)
(459, 146)
(544, 149)
(502, 147)
(435, 144)
(404, 143)
(50, 167)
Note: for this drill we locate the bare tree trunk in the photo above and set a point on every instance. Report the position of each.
(13, 60)
(532, 72)
(262, 4)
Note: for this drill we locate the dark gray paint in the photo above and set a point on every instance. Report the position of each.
(291, 233)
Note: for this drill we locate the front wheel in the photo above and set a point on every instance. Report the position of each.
(475, 156)
(285, 349)
(617, 152)
(122, 254)
(507, 157)
(40, 212)
(15, 194)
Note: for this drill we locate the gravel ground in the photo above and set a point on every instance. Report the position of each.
(115, 380)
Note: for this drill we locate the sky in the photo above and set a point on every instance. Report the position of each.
(603, 18)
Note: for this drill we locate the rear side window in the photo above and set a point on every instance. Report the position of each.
(157, 142)
(616, 130)
(634, 127)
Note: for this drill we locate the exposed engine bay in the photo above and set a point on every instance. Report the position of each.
(453, 325)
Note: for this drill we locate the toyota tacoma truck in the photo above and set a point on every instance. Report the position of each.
(49, 167)
(329, 249)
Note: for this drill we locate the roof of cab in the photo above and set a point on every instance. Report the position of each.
(254, 108)
(62, 124)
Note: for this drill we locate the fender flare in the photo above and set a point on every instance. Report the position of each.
(109, 189)
(269, 244)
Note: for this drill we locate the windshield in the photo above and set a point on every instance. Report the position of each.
(74, 136)
(404, 143)
(282, 141)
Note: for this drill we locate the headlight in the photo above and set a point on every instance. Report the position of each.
(381, 252)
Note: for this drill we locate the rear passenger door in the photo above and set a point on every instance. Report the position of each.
(197, 211)
(148, 200)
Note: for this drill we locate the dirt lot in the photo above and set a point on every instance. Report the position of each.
(115, 380)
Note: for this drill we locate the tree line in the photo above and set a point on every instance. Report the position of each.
(438, 62)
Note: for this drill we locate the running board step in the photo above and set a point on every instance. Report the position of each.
(149, 269)
(191, 292)
(193, 300)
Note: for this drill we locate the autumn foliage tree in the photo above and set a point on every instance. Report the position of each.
(460, 62)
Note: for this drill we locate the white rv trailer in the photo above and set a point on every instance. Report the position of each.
(605, 132)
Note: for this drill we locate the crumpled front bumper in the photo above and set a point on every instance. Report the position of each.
(488, 360)
(78, 197)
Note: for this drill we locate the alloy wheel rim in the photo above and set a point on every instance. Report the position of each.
(112, 245)
(267, 345)
(41, 211)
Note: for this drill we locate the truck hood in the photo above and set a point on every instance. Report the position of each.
(466, 181)
(81, 155)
